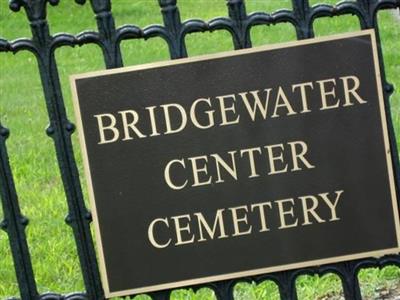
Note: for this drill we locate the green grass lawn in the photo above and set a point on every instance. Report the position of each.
(32, 155)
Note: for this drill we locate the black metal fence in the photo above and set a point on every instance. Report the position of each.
(173, 31)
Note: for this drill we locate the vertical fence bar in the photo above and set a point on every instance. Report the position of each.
(224, 289)
(368, 19)
(302, 13)
(161, 295)
(14, 224)
(106, 26)
(367, 15)
(287, 285)
(348, 271)
(177, 49)
(241, 28)
(173, 27)
(60, 130)
(388, 90)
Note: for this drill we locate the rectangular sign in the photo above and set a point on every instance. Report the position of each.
(238, 164)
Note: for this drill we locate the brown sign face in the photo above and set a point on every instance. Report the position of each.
(238, 164)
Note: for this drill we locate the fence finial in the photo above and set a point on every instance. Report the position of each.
(35, 10)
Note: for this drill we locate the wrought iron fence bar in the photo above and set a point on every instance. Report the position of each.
(223, 290)
(302, 14)
(388, 90)
(107, 37)
(14, 224)
(59, 130)
(347, 272)
(171, 32)
(286, 281)
(305, 16)
(173, 28)
(240, 24)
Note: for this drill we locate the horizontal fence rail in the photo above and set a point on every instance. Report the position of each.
(173, 31)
